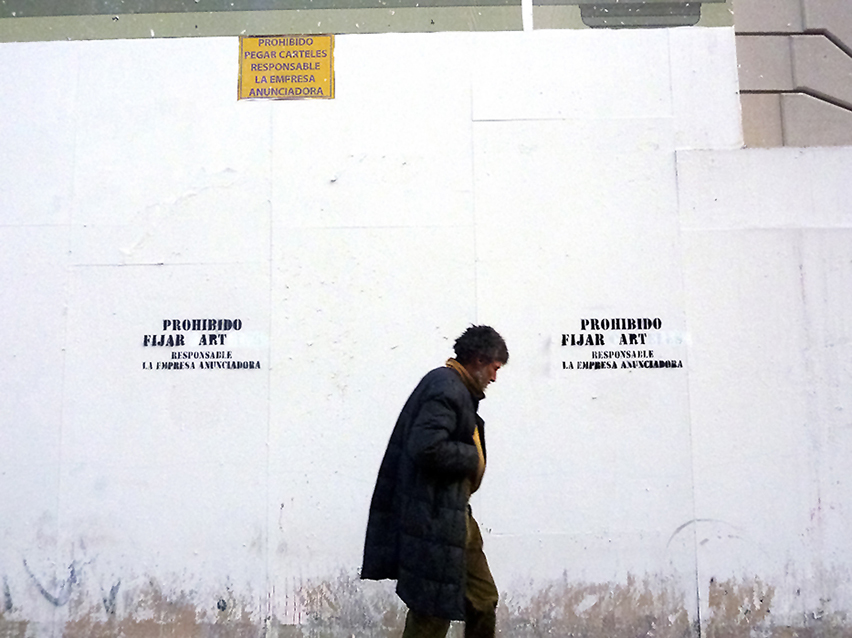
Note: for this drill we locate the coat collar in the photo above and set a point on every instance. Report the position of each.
(468, 380)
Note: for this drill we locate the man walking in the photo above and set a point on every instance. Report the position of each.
(420, 530)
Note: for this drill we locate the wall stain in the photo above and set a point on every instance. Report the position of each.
(343, 606)
(743, 609)
(10, 628)
(154, 612)
(13, 628)
(596, 610)
(735, 609)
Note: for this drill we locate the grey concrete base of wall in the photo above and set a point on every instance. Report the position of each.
(793, 119)
(795, 72)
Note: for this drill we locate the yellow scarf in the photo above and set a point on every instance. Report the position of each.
(471, 385)
(469, 381)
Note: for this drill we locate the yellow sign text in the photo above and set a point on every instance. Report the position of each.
(287, 67)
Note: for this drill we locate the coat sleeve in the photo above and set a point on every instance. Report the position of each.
(431, 442)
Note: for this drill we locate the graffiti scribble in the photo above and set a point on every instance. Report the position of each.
(109, 599)
(7, 596)
(64, 594)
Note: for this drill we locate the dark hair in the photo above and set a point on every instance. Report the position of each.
(480, 342)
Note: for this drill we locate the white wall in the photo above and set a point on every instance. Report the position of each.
(525, 180)
(768, 260)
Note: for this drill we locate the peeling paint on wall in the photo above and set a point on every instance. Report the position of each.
(646, 607)
(343, 606)
(12, 628)
(346, 606)
(743, 609)
(155, 611)
(738, 608)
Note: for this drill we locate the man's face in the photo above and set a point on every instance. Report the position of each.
(485, 372)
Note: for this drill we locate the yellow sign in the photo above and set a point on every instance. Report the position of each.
(287, 67)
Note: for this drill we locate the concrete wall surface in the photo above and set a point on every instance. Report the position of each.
(214, 310)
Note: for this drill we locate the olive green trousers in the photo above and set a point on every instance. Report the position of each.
(480, 598)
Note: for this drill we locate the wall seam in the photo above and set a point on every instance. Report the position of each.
(697, 575)
(269, 527)
(697, 629)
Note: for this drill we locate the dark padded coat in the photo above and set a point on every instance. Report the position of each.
(417, 527)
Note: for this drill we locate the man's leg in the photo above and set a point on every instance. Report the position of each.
(420, 626)
(481, 593)
(479, 623)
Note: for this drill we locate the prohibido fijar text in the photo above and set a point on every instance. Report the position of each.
(619, 343)
(179, 334)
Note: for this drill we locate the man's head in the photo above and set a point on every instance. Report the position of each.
(482, 351)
